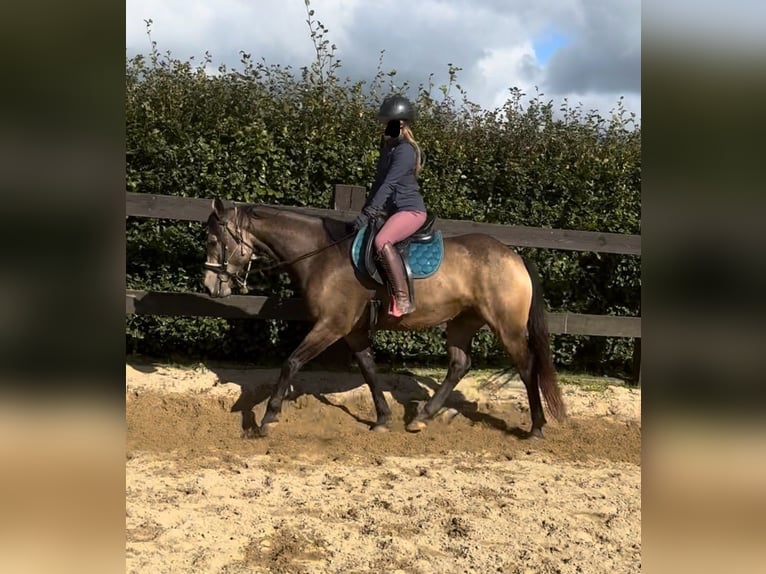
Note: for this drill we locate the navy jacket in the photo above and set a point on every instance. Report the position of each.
(396, 188)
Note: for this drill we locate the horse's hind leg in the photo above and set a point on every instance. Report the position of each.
(516, 344)
(528, 373)
(460, 332)
(319, 338)
(360, 345)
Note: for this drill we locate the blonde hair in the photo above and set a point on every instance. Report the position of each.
(407, 135)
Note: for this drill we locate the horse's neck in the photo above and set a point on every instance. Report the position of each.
(290, 235)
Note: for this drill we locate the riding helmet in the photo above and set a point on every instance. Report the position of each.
(396, 108)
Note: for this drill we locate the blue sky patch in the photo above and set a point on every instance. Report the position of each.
(547, 44)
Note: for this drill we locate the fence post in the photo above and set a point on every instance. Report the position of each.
(349, 197)
(345, 198)
(637, 361)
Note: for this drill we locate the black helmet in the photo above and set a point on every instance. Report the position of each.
(396, 108)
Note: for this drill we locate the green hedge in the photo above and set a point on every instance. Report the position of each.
(267, 133)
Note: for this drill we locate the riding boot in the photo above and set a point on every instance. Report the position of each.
(397, 276)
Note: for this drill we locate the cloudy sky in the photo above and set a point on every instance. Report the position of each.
(588, 51)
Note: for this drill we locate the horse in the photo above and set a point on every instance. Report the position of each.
(480, 281)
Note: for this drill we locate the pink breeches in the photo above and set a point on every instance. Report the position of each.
(399, 226)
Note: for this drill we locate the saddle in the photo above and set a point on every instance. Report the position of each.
(424, 234)
(422, 254)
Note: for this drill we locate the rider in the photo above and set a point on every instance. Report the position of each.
(395, 193)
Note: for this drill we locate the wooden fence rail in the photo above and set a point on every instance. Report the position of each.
(196, 209)
(347, 202)
(259, 307)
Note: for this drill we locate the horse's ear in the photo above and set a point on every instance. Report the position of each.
(218, 207)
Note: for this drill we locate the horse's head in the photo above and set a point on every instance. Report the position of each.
(231, 248)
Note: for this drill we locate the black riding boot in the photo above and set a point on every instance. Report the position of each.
(397, 276)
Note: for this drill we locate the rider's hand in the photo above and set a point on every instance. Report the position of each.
(361, 220)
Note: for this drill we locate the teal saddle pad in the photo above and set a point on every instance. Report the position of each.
(424, 258)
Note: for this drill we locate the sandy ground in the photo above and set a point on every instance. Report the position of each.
(322, 494)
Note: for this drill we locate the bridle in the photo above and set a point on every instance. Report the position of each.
(220, 268)
(224, 276)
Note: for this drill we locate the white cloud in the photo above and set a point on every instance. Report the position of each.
(491, 40)
(222, 27)
(502, 69)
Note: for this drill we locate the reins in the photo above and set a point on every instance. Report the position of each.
(220, 268)
(300, 257)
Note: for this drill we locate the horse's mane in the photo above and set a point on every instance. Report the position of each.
(335, 228)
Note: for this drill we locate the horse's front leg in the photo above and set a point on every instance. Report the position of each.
(319, 338)
(361, 346)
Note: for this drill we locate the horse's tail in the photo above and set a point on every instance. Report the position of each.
(539, 345)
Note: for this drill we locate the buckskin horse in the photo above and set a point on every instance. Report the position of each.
(479, 281)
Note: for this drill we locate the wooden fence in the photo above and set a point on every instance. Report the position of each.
(346, 204)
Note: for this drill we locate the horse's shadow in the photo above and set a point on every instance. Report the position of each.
(141, 365)
(409, 390)
(470, 409)
(256, 386)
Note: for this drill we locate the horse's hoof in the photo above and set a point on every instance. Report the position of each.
(416, 426)
(252, 432)
(265, 428)
(447, 415)
(536, 433)
(380, 428)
